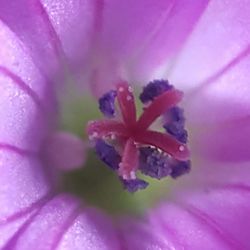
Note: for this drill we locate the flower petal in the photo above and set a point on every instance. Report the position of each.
(142, 235)
(227, 141)
(90, 229)
(213, 67)
(73, 23)
(214, 70)
(23, 182)
(66, 226)
(28, 20)
(205, 214)
(9, 229)
(140, 35)
(27, 102)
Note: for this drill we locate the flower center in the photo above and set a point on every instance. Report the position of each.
(128, 145)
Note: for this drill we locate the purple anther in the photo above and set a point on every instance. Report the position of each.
(154, 89)
(107, 104)
(180, 168)
(107, 154)
(174, 123)
(154, 163)
(134, 185)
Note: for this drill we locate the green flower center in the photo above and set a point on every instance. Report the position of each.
(94, 183)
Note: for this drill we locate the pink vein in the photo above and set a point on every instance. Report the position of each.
(155, 31)
(52, 32)
(23, 86)
(233, 186)
(17, 150)
(65, 227)
(25, 211)
(213, 78)
(13, 240)
(205, 219)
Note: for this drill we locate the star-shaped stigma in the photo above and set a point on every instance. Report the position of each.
(128, 145)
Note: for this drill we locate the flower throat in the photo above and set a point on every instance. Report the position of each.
(128, 145)
(133, 149)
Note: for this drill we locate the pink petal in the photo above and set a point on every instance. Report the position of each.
(66, 226)
(227, 141)
(65, 151)
(136, 234)
(28, 20)
(24, 123)
(9, 229)
(73, 23)
(90, 229)
(139, 35)
(27, 102)
(53, 32)
(211, 213)
(213, 68)
(23, 182)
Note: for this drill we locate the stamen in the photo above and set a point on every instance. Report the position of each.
(107, 154)
(136, 148)
(180, 168)
(154, 163)
(154, 89)
(134, 185)
(174, 124)
(107, 104)
(160, 105)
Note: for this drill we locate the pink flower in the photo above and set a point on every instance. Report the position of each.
(202, 48)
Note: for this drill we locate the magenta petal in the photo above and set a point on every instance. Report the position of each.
(24, 123)
(23, 182)
(210, 213)
(73, 23)
(214, 66)
(90, 229)
(26, 101)
(50, 220)
(227, 141)
(7, 230)
(184, 230)
(66, 226)
(28, 20)
(136, 234)
(23, 120)
(214, 71)
(142, 34)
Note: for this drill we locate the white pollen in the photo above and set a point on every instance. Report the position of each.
(129, 98)
(95, 134)
(132, 175)
(121, 89)
(181, 148)
(113, 137)
(130, 89)
(125, 177)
